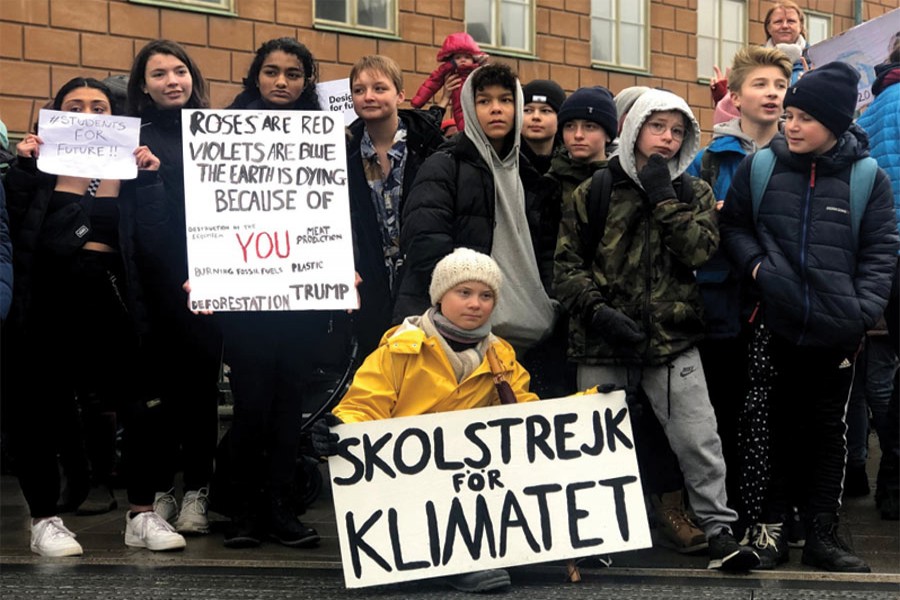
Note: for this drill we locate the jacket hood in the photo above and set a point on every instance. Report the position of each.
(456, 43)
(851, 147)
(650, 102)
(474, 131)
(563, 168)
(732, 129)
(885, 76)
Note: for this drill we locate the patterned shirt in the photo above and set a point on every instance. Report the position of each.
(386, 195)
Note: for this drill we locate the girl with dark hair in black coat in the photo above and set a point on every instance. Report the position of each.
(186, 350)
(73, 333)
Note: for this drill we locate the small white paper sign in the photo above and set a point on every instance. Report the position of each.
(462, 491)
(88, 145)
(862, 47)
(335, 96)
(267, 210)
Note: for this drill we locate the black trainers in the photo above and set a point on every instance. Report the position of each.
(726, 554)
(479, 581)
(826, 550)
(769, 543)
(283, 525)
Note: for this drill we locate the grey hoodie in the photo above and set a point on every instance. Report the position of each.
(526, 314)
(650, 102)
(732, 128)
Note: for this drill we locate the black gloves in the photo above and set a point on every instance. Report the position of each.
(324, 442)
(616, 328)
(656, 180)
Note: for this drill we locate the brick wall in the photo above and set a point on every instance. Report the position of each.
(43, 43)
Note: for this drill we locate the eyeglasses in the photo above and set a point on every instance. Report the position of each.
(657, 128)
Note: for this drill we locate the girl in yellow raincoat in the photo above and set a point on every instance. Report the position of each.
(446, 359)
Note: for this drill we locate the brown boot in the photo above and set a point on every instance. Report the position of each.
(674, 525)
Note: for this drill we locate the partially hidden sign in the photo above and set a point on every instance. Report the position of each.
(455, 492)
(267, 210)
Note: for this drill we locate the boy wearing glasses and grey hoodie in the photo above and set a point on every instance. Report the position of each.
(628, 284)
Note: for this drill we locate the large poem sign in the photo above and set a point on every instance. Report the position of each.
(419, 497)
(267, 210)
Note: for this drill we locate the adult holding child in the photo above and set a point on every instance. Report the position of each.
(185, 349)
(76, 315)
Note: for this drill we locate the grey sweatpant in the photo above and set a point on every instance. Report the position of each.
(677, 392)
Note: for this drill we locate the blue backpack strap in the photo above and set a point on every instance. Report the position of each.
(862, 180)
(761, 165)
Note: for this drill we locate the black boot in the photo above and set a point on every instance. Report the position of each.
(244, 529)
(283, 524)
(824, 549)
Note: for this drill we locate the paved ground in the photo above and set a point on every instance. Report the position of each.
(206, 569)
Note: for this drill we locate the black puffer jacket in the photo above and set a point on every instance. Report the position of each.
(452, 205)
(818, 287)
(377, 299)
(29, 192)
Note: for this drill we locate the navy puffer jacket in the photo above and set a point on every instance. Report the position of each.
(818, 285)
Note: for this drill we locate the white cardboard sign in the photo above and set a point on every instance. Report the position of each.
(267, 210)
(88, 145)
(455, 492)
(335, 96)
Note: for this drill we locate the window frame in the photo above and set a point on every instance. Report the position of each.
(496, 6)
(215, 7)
(355, 28)
(813, 14)
(616, 65)
(717, 58)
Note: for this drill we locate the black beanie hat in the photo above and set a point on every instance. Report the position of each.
(591, 104)
(828, 93)
(544, 90)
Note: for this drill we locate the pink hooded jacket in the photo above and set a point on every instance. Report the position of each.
(454, 43)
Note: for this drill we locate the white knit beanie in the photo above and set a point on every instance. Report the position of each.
(462, 265)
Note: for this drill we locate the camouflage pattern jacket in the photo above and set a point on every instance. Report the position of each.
(643, 265)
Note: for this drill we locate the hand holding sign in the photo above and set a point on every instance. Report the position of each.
(30, 147)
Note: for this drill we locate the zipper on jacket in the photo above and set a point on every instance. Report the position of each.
(804, 251)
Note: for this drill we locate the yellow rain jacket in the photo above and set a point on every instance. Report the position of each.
(409, 374)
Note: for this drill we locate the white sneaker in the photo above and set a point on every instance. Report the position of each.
(165, 505)
(49, 537)
(151, 531)
(192, 518)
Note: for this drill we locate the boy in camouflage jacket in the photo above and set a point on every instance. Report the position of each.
(628, 284)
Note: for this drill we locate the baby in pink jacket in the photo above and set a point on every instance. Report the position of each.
(459, 54)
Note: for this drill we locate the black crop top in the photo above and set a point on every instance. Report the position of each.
(104, 216)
